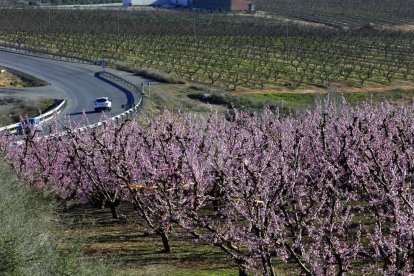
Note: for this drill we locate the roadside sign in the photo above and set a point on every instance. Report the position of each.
(148, 84)
(102, 63)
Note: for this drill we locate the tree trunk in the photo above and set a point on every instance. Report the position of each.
(242, 271)
(270, 267)
(215, 203)
(242, 267)
(165, 242)
(114, 212)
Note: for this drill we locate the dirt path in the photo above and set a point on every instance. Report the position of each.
(404, 27)
(308, 89)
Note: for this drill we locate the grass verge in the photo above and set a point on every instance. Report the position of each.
(292, 102)
(27, 243)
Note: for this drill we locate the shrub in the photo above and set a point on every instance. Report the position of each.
(152, 74)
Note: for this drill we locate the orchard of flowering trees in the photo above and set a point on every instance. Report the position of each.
(329, 192)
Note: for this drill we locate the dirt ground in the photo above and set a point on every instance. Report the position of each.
(131, 248)
(371, 87)
(404, 27)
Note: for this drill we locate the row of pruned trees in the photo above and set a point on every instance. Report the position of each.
(217, 49)
(346, 13)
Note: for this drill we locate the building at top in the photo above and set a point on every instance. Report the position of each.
(145, 2)
(224, 5)
(227, 5)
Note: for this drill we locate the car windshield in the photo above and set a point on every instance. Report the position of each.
(101, 100)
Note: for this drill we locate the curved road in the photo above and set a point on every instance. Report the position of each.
(70, 81)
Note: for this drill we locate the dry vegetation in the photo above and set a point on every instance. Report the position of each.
(12, 107)
(9, 80)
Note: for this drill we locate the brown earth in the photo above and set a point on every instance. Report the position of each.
(285, 19)
(344, 88)
(404, 27)
(132, 248)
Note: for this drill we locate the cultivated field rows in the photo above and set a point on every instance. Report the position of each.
(261, 54)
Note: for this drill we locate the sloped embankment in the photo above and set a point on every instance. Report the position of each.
(27, 245)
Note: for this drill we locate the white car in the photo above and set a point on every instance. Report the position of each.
(102, 103)
(28, 125)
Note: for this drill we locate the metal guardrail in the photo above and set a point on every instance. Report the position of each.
(115, 80)
(33, 52)
(129, 87)
(128, 114)
(43, 117)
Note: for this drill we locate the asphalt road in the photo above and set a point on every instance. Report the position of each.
(70, 81)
